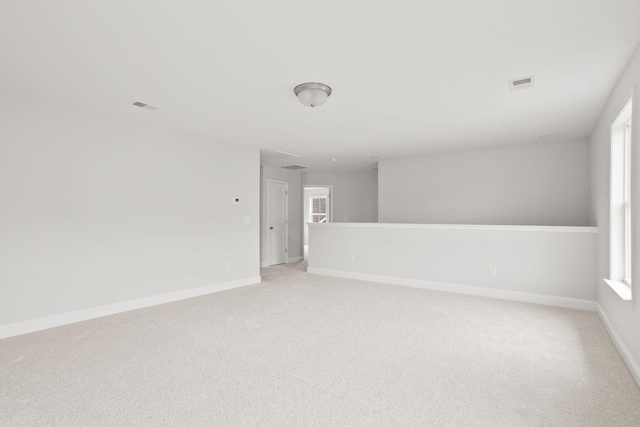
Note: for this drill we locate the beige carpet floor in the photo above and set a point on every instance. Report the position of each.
(301, 349)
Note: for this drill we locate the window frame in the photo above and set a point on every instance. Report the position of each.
(627, 204)
(621, 203)
(314, 213)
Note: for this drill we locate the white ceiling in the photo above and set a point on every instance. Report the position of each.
(408, 77)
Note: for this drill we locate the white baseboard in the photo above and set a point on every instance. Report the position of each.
(626, 355)
(579, 304)
(264, 264)
(33, 325)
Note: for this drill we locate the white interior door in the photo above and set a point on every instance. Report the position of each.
(277, 201)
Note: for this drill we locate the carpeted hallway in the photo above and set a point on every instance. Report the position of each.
(301, 349)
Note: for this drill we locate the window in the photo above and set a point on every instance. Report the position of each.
(620, 263)
(626, 203)
(318, 209)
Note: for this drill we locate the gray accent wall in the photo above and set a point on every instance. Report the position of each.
(537, 184)
(355, 194)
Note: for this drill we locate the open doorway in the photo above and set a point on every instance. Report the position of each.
(318, 208)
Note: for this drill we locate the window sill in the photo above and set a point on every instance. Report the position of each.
(621, 288)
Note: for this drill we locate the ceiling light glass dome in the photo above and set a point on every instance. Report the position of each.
(312, 94)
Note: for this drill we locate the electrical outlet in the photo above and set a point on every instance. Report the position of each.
(352, 258)
(228, 266)
(493, 272)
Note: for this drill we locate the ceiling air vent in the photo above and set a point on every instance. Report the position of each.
(523, 83)
(294, 167)
(145, 105)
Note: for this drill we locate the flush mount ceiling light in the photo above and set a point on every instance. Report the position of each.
(312, 94)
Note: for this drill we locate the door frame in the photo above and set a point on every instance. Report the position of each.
(304, 208)
(286, 222)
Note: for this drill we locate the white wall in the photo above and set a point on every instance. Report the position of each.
(551, 265)
(295, 210)
(536, 184)
(355, 194)
(623, 318)
(98, 209)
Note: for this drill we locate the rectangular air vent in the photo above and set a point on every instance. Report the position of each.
(145, 105)
(523, 83)
(294, 167)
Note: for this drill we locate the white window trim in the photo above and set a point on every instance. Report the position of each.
(326, 217)
(627, 203)
(621, 205)
(621, 288)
